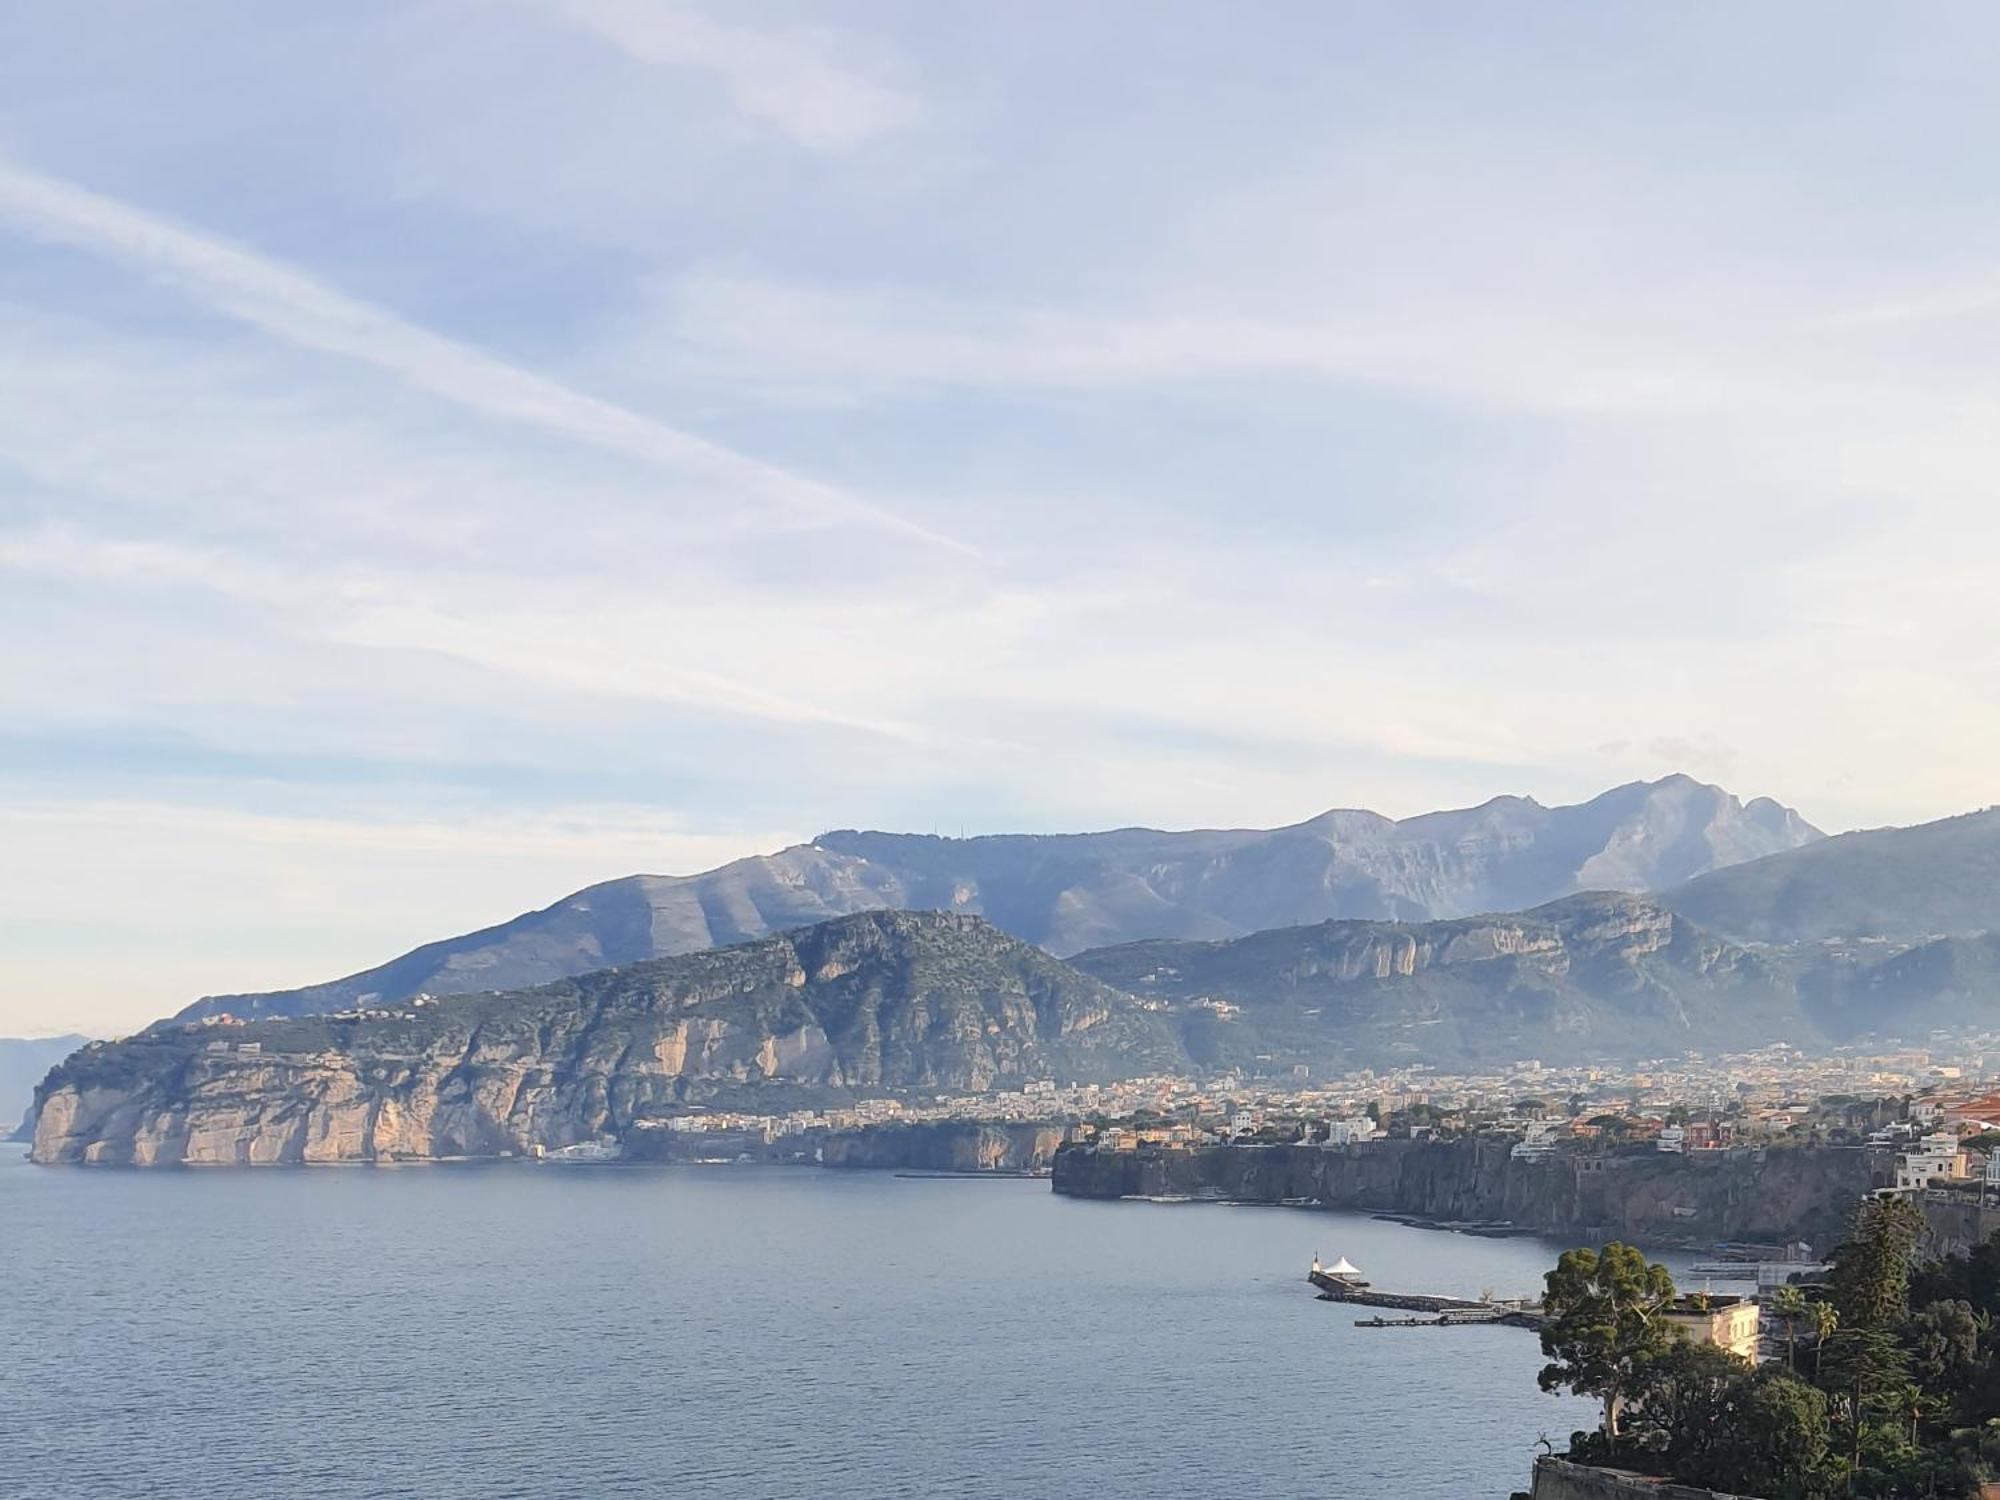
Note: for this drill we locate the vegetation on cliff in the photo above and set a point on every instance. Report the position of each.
(881, 1002)
(1592, 975)
(1900, 1396)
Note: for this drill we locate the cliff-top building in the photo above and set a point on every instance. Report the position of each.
(1729, 1323)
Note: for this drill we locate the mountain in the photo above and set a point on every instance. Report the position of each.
(1898, 884)
(881, 1002)
(1594, 977)
(1948, 984)
(23, 1062)
(1599, 975)
(927, 1002)
(1069, 892)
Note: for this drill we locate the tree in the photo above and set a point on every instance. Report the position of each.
(1768, 1435)
(1864, 1369)
(1824, 1317)
(1870, 1280)
(1602, 1326)
(1973, 1278)
(1788, 1305)
(1685, 1391)
(1943, 1340)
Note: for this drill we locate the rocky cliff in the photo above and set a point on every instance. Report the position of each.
(947, 1146)
(1588, 976)
(24, 1062)
(1068, 892)
(1767, 1196)
(882, 1002)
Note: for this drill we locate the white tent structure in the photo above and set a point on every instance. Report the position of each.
(1342, 1270)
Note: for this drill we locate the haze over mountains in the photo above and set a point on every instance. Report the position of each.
(927, 1002)
(1600, 975)
(1896, 884)
(543, 1038)
(1069, 892)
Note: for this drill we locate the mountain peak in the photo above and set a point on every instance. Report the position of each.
(1069, 892)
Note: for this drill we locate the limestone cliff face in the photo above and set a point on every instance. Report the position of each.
(947, 1147)
(1596, 975)
(885, 1001)
(1768, 1196)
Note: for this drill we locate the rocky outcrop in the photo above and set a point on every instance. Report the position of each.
(24, 1062)
(1957, 1223)
(948, 1146)
(1759, 1195)
(884, 1002)
(1069, 892)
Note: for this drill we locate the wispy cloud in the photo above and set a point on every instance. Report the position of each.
(1337, 434)
(506, 625)
(293, 306)
(791, 79)
(821, 344)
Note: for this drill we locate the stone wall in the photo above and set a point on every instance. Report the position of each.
(1559, 1479)
(1953, 1223)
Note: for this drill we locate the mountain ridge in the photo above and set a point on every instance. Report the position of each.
(878, 1001)
(1593, 975)
(1074, 891)
(917, 1003)
(1927, 880)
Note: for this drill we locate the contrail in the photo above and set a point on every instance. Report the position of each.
(295, 307)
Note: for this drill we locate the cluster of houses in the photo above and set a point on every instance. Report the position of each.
(1949, 1140)
(1243, 1126)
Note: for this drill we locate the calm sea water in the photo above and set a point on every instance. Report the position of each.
(740, 1332)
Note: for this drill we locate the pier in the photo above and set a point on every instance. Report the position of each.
(1342, 1282)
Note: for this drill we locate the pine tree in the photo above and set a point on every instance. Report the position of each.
(1602, 1325)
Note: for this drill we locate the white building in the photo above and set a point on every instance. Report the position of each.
(1348, 1132)
(1936, 1155)
(1673, 1138)
(1539, 1141)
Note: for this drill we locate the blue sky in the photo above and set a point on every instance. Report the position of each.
(452, 452)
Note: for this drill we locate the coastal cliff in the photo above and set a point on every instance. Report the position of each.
(946, 1146)
(1593, 975)
(882, 1002)
(1758, 1195)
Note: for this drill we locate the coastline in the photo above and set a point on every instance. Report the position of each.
(1474, 1186)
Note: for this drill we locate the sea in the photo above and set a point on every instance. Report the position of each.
(751, 1332)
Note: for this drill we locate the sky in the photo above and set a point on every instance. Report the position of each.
(455, 451)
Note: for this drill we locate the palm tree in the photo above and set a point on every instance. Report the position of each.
(1824, 1317)
(1789, 1304)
